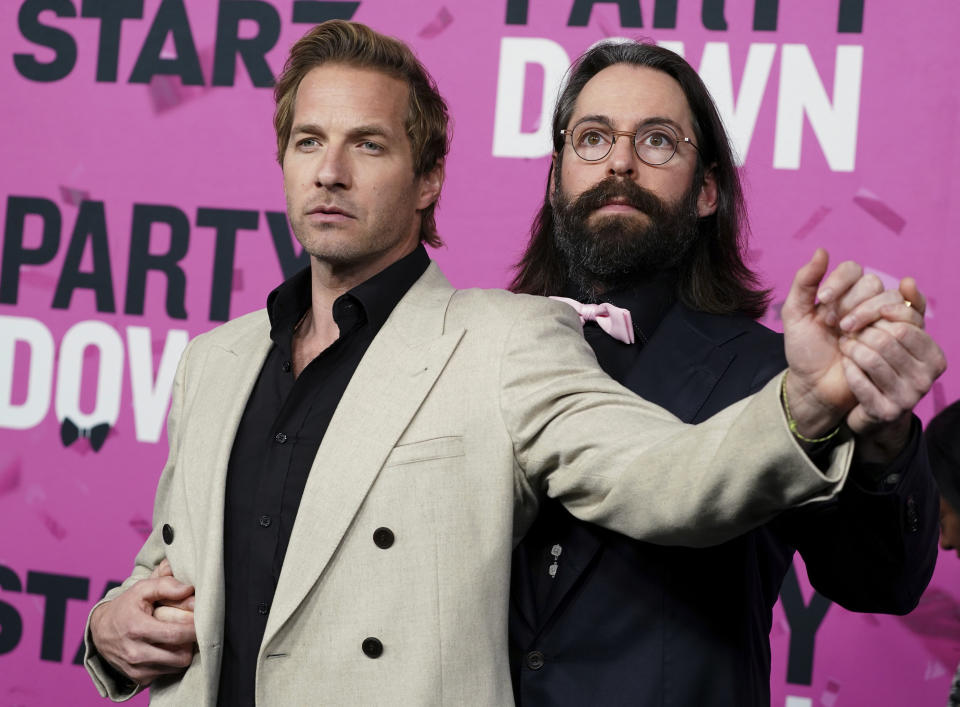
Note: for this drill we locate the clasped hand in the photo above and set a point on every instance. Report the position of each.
(857, 353)
(148, 630)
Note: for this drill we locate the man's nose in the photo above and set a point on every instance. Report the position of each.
(333, 168)
(623, 157)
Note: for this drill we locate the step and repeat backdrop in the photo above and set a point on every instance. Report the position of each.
(141, 205)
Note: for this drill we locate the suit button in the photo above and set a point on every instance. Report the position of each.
(167, 534)
(913, 518)
(383, 538)
(262, 609)
(372, 648)
(286, 366)
(535, 660)
(264, 521)
(281, 438)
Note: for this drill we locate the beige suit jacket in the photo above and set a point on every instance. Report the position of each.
(466, 407)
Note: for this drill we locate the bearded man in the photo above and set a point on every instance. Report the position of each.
(644, 212)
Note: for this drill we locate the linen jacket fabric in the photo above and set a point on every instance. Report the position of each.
(466, 407)
(629, 623)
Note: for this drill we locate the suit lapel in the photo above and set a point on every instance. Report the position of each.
(677, 369)
(681, 364)
(228, 374)
(392, 380)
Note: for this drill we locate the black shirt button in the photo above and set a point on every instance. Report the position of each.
(167, 534)
(372, 648)
(262, 609)
(264, 521)
(383, 538)
(281, 437)
(286, 366)
(535, 660)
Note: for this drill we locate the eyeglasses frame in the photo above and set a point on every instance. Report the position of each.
(614, 134)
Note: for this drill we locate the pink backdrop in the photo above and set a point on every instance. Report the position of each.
(849, 141)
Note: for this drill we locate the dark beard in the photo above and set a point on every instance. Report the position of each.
(619, 251)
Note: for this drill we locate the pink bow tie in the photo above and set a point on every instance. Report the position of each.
(616, 321)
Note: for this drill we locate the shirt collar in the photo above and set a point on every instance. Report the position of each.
(377, 295)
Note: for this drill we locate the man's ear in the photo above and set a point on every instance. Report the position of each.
(552, 180)
(431, 184)
(708, 196)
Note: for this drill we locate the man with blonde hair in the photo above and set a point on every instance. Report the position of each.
(349, 468)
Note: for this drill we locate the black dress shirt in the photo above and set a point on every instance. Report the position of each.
(275, 445)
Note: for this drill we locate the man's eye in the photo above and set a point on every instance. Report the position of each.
(592, 138)
(371, 147)
(308, 142)
(659, 139)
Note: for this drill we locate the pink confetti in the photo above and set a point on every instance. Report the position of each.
(56, 530)
(829, 696)
(69, 195)
(167, 91)
(437, 25)
(811, 223)
(10, 477)
(142, 526)
(871, 203)
(934, 670)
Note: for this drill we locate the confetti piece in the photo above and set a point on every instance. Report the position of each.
(73, 197)
(168, 92)
(871, 203)
(10, 477)
(141, 525)
(934, 670)
(829, 695)
(811, 223)
(437, 25)
(56, 530)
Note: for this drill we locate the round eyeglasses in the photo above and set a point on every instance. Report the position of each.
(655, 144)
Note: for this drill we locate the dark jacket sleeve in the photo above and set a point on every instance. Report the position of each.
(874, 548)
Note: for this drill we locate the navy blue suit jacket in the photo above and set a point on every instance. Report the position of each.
(627, 623)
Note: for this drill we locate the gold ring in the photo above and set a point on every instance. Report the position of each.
(908, 303)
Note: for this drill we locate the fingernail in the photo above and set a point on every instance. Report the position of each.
(847, 323)
(825, 295)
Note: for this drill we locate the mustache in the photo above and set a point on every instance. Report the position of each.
(627, 191)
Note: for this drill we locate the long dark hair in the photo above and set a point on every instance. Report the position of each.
(713, 276)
